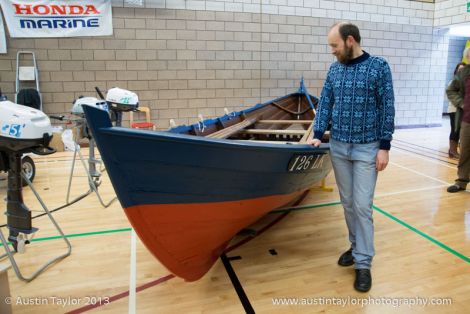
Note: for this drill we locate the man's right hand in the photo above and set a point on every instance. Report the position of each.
(314, 142)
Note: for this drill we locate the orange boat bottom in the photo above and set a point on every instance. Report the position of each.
(189, 238)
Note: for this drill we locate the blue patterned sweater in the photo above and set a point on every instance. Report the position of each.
(358, 100)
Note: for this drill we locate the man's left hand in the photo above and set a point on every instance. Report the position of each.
(381, 160)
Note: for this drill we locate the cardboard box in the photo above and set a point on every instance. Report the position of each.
(56, 142)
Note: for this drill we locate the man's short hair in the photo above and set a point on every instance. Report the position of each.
(348, 29)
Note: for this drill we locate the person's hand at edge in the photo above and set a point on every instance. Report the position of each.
(315, 142)
(381, 160)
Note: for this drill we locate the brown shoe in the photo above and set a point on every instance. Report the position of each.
(453, 151)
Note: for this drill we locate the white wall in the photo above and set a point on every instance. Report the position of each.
(450, 12)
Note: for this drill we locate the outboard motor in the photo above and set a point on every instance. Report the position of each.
(22, 130)
(120, 100)
(77, 109)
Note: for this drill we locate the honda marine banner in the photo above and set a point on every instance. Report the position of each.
(58, 18)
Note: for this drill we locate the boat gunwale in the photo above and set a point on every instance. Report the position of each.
(202, 140)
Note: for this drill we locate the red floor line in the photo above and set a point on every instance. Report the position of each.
(154, 283)
(170, 276)
(121, 295)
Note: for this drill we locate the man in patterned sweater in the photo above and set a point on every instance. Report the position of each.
(357, 99)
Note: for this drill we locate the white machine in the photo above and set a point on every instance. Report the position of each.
(23, 127)
(122, 99)
(119, 100)
(23, 130)
(77, 108)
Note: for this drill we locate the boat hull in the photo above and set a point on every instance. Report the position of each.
(187, 196)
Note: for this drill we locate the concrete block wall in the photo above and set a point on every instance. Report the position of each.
(450, 12)
(437, 77)
(186, 58)
(392, 11)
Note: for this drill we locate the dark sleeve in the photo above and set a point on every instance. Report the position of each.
(387, 109)
(325, 107)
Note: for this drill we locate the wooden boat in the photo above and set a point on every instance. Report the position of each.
(189, 190)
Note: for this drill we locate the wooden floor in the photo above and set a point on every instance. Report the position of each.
(422, 237)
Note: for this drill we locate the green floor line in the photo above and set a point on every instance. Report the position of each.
(74, 235)
(401, 222)
(424, 235)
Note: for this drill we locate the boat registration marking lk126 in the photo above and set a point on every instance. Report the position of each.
(305, 162)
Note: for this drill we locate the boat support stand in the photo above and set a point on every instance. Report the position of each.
(92, 173)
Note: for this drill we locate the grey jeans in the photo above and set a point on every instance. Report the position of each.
(356, 176)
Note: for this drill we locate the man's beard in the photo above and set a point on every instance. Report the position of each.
(347, 56)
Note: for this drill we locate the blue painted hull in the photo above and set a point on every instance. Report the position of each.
(164, 168)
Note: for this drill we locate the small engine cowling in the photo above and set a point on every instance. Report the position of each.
(23, 128)
(77, 108)
(122, 100)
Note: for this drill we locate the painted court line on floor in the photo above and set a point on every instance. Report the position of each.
(440, 163)
(424, 235)
(386, 214)
(411, 191)
(302, 207)
(444, 160)
(401, 222)
(171, 276)
(338, 202)
(420, 173)
(168, 277)
(121, 295)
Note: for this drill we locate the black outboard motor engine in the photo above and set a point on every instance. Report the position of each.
(22, 130)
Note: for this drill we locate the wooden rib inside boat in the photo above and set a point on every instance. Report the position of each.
(287, 119)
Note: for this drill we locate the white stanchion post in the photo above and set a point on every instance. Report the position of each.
(133, 271)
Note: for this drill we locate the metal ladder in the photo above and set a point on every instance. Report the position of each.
(27, 73)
